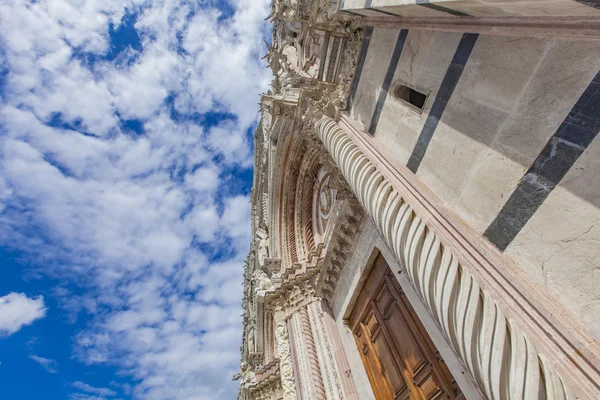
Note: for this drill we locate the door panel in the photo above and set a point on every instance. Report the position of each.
(379, 382)
(400, 358)
(389, 366)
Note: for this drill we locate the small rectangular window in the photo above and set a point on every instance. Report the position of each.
(411, 96)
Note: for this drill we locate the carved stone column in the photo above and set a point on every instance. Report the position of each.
(286, 368)
(494, 349)
(311, 384)
(324, 349)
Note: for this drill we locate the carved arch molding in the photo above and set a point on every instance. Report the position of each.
(500, 357)
(308, 201)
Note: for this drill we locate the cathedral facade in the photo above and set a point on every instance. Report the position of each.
(426, 203)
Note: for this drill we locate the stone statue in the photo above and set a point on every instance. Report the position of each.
(251, 348)
(262, 252)
(247, 374)
(262, 283)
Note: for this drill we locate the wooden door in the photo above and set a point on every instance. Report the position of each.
(400, 359)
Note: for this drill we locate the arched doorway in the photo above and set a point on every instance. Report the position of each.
(401, 361)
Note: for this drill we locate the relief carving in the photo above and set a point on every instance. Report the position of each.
(262, 251)
(272, 282)
(285, 361)
(262, 282)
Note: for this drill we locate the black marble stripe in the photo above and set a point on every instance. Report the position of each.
(353, 13)
(383, 12)
(556, 159)
(361, 64)
(455, 70)
(590, 3)
(368, 3)
(444, 9)
(387, 80)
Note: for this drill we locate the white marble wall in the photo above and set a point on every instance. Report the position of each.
(512, 96)
(478, 8)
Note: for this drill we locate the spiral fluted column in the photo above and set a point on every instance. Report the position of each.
(325, 352)
(310, 381)
(498, 355)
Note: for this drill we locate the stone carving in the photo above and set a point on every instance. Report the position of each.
(285, 361)
(276, 281)
(311, 351)
(331, 379)
(247, 375)
(496, 352)
(262, 283)
(262, 251)
(324, 198)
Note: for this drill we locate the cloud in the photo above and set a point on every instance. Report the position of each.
(18, 310)
(93, 390)
(84, 396)
(49, 365)
(121, 173)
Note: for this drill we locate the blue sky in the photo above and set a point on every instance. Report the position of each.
(125, 172)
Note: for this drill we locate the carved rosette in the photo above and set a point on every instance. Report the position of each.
(323, 200)
(497, 353)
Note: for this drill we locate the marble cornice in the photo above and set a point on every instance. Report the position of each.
(266, 376)
(297, 278)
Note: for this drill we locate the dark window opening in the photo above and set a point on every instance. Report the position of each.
(410, 96)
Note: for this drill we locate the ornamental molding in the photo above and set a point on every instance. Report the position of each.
(296, 293)
(267, 376)
(331, 378)
(494, 329)
(286, 368)
(313, 57)
(344, 230)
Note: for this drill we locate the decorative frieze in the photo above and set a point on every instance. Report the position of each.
(344, 231)
(294, 204)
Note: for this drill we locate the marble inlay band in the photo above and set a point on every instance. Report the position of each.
(387, 80)
(453, 74)
(495, 351)
(383, 11)
(590, 3)
(444, 9)
(361, 64)
(573, 136)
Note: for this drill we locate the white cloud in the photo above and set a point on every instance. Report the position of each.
(84, 396)
(49, 365)
(18, 310)
(5, 192)
(138, 220)
(232, 142)
(139, 91)
(93, 390)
